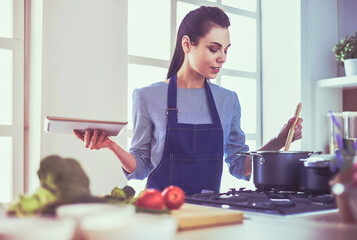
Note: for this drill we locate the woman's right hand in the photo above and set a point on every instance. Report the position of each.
(94, 139)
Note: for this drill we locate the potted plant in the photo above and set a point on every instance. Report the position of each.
(346, 52)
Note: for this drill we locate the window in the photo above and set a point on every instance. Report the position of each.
(11, 99)
(149, 59)
(6, 61)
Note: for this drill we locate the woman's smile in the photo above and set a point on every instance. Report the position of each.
(215, 69)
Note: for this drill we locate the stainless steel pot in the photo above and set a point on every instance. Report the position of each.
(277, 169)
(316, 174)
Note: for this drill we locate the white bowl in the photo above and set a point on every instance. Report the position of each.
(82, 210)
(36, 228)
(140, 226)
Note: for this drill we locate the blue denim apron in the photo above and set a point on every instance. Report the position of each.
(193, 153)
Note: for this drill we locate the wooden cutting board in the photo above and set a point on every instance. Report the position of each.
(195, 216)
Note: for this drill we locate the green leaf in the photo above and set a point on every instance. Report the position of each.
(346, 48)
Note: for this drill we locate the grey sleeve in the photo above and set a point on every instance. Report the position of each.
(236, 143)
(142, 136)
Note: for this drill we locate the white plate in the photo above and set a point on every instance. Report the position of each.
(36, 228)
(67, 125)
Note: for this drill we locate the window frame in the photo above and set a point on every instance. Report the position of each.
(16, 129)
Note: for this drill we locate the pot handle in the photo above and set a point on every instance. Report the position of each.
(244, 153)
(261, 161)
(315, 153)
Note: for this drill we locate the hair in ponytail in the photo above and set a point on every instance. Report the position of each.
(196, 24)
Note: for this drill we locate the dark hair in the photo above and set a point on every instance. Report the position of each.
(196, 24)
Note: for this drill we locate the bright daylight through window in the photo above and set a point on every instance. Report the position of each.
(11, 95)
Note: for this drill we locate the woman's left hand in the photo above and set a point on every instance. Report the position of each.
(94, 139)
(279, 141)
(283, 134)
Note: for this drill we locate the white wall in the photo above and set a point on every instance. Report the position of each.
(301, 34)
(34, 98)
(319, 20)
(324, 24)
(281, 70)
(85, 76)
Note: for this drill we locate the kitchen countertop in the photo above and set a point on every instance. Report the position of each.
(255, 226)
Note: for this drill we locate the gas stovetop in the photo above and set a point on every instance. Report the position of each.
(282, 203)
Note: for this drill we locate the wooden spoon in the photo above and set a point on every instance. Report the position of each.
(292, 128)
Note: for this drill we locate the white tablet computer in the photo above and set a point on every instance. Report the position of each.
(67, 125)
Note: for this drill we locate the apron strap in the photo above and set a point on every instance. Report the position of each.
(172, 101)
(172, 110)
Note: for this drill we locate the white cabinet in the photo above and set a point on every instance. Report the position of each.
(339, 82)
(328, 97)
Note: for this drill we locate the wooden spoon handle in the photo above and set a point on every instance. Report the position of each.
(292, 128)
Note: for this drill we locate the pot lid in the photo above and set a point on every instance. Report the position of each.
(285, 152)
(323, 160)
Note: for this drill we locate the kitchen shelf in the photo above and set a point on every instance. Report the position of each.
(338, 82)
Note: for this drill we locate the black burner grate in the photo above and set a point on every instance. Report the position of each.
(270, 202)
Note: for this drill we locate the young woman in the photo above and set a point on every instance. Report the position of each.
(185, 126)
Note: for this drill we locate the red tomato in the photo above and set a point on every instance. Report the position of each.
(151, 199)
(174, 197)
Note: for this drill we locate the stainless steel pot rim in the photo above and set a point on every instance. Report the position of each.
(280, 152)
(321, 164)
(323, 160)
(322, 157)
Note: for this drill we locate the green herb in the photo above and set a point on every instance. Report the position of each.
(346, 48)
(62, 180)
(121, 195)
